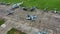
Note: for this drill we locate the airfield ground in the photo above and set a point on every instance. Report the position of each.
(50, 21)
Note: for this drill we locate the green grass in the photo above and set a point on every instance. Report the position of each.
(14, 30)
(1, 21)
(41, 4)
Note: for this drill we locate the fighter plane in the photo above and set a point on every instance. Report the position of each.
(24, 8)
(3, 3)
(30, 17)
(10, 12)
(37, 33)
(14, 6)
(32, 8)
(43, 31)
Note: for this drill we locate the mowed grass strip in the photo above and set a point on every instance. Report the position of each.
(14, 31)
(41, 4)
(2, 21)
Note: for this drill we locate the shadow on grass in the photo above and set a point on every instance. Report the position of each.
(14, 31)
(2, 21)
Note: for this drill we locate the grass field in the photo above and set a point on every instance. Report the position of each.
(41, 4)
(1, 21)
(14, 31)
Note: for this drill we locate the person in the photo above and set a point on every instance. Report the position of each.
(32, 9)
